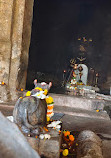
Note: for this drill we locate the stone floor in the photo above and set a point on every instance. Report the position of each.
(102, 126)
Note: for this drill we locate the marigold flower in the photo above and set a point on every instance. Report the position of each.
(48, 118)
(50, 107)
(97, 110)
(22, 89)
(40, 89)
(59, 132)
(71, 137)
(65, 152)
(67, 133)
(48, 113)
(28, 93)
(45, 92)
(49, 100)
(3, 83)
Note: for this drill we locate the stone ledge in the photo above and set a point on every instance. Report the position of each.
(81, 112)
(77, 102)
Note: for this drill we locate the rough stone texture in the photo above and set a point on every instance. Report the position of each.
(75, 102)
(89, 145)
(4, 93)
(47, 148)
(25, 43)
(30, 113)
(106, 148)
(15, 33)
(6, 13)
(12, 142)
(5, 19)
(20, 45)
(16, 45)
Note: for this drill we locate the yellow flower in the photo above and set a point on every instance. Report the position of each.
(97, 110)
(40, 89)
(22, 89)
(28, 93)
(65, 152)
(45, 92)
(49, 100)
(48, 118)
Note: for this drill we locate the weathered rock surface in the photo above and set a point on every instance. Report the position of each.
(106, 148)
(78, 102)
(4, 93)
(15, 33)
(89, 145)
(6, 13)
(12, 142)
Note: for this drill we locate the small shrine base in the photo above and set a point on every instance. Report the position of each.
(81, 90)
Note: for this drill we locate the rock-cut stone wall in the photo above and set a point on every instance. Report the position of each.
(15, 33)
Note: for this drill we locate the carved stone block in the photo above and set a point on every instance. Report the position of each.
(47, 148)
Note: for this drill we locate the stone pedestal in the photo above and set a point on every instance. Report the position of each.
(49, 148)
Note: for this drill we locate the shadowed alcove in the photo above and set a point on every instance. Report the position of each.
(56, 28)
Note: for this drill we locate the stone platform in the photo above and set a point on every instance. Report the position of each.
(78, 102)
(81, 112)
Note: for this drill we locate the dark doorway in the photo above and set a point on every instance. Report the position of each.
(56, 27)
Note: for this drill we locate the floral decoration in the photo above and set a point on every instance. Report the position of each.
(65, 152)
(40, 89)
(39, 95)
(49, 100)
(71, 137)
(66, 133)
(28, 93)
(45, 92)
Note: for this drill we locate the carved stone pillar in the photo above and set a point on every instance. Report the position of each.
(15, 33)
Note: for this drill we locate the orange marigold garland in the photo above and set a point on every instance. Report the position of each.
(50, 106)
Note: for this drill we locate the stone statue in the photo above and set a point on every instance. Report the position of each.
(84, 73)
(30, 111)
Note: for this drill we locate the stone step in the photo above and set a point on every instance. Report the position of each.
(78, 102)
(7, 110)
(81, 112)
(78, 123)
